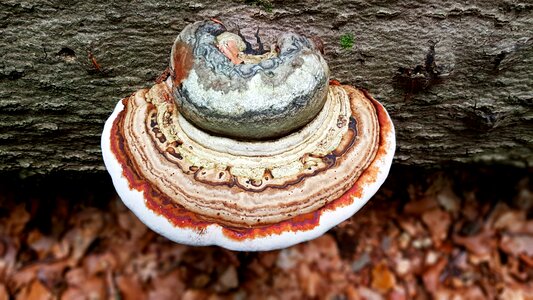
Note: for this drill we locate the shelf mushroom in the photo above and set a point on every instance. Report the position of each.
(248, 149)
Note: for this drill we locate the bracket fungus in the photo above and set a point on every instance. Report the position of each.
(249, 149)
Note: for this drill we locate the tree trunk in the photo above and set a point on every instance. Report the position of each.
(456, 78)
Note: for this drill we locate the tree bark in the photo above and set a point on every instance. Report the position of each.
(456, 78)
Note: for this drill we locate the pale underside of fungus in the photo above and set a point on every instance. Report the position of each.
(246, 149)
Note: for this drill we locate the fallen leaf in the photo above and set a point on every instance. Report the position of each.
(448, 199)
(228, 280)
(420, 206)
(510, 221)
(470, 293)
(482, 244)
(312, 286)
(167, 286)
(402, 266)
(527, 259)
(145, 266)
(75, 276)
(517, 244)
(35, 291)
(431, 276)
(369, 294)
(131, 288)
(42, 245)
(194, 295)
(411, 226)
(3, 292)
(131, 224)
(524, 197)
(382, 278)
(438, 222)
(18, 217)
(351, 293)
(8, 257)
(95, 288)
(73, 293)
(517, 291)
(50, 273)
(268, 258)
(101, 262)
(398, 293)
(288, 258)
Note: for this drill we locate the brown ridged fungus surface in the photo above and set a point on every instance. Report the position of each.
(282, 179)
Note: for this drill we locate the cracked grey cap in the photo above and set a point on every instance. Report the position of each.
(264, 97)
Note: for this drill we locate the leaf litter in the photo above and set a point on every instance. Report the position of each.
(455, 234)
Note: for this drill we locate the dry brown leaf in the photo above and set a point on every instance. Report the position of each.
(257, 269)
(268, 259)
(8, 258)
(431, 276)
(88, 225)
(168, 286)
(470, 293)
(18, 217)
(101, 262)
(50, 273)
(23, 277)
(511, 220)
(76, 276)
(130, 287)
(402, 266)
(411, 226)
(195, 295)
(131, 224)
(514, 221)
(95, 287)
(35, 291)
(470, 208)
(513, 271)
(482, 244)
(382, 278)
(517, 291)
(328, 258)
(527, 259)
(42, 245)
(448, 199)
(524, 197)
(420, 206)
(351, 293)
(73, 293)
(397, 293)
(369, 294)
(438, 222)
(3, 292)
(288, 258)
(227, 280)
(517, 244)
(145, 266)
(313, 285)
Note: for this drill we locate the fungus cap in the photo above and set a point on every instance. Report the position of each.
(198, 188)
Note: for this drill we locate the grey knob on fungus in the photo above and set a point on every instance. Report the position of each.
(275, 94)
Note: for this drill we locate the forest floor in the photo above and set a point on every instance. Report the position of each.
(448, 234)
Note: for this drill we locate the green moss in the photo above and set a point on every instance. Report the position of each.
(266, 5)
(347, 40)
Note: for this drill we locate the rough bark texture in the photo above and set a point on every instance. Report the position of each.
(457, 78)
